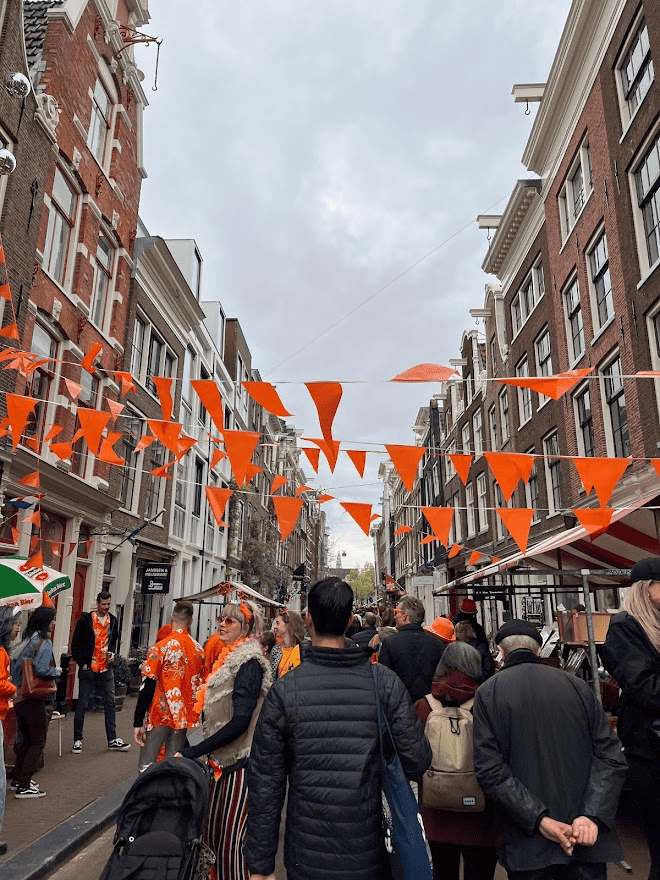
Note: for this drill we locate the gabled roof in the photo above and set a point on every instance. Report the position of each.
(35, 22)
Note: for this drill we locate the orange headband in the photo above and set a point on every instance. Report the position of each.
(245, 611)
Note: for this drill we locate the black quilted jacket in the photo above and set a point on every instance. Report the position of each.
(318, 727)
(414, 654)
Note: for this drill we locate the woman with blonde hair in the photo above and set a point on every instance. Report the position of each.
(288, 626)
(632, 657)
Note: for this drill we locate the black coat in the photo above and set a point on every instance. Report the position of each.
(543, 747)
(634, 664)
(365, 635)
(318, 727)
(413, 653)
(82, 643)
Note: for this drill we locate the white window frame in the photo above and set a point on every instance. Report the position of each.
(482, 502)
(524, 394)
(450, 470)
(543, 360)
(58, 262)
(132, 470)
(501, 503)
(457, 521)
(653, 331)
(478, 433)
(465, 439)
(645, 195)
(102, 119)
(577, 189)
(574, 319)
(532, 490)
(584, 423)
(612, 389)
(469, 508)
(552, 467)
(100, 309)
(505, 425)
(492, 427)
(600, 280)
(7, 144)
(527, 298)
(634, 72)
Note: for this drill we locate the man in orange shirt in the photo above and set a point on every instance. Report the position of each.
(172, 675)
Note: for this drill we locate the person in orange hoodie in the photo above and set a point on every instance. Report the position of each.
(9, 627)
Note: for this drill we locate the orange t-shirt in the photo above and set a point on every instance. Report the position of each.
(176, 663)
(289, 660)
(212, 649)
(101, 635)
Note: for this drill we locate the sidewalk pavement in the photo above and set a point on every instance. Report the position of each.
(83, 795)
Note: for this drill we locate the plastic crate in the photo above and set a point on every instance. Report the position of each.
(573, 627)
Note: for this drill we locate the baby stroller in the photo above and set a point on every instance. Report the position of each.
(160, 823)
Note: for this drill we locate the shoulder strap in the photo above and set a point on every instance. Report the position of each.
(468, 704)
(433, 703)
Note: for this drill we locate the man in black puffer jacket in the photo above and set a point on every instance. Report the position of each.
(318, 726)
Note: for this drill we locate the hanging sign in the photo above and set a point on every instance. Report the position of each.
(156, 577)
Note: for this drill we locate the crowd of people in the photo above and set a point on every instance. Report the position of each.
(289, 719)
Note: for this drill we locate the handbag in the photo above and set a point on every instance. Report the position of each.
(405, 841)
(34, 686)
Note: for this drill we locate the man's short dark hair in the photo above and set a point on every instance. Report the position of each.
(330, 604)
(103, 595)
(370, 619)
(183, 610)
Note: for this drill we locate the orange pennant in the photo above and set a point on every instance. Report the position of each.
(550, 386)
(287, 511)
(403, 530)
(18, 411)
(359, 459)
(326, 397)
(475, 556)
(15, 535)
(301, 489)
(7, 354)
(440, 520)
(34, 518)
(53, 432)
(183, 445)
(508, 468)
(325, 497)
(267, 397)
(115, 408)
(36, 560)
(74, 388)
(251, 472)
(462, 465)
(5, 292)
(455, 550)
(107, 453)
(88, 361)
(162, 470)
(10, 331)
(63, 451)
(218, 497)
(406, 460)
(594, 521)
(330, 448)
(518, 521)
(426, 373)
(167, 432)
(209, 393)
(31, 480)
(278, 481)
(143, 442)
(428, 539)
(218, 455)
(93, 423)
(240, 446)
(601, 474)
(312, 457)
(164, 390)
(73, 545)
(127, 382)
(361, 513)
(55, 547)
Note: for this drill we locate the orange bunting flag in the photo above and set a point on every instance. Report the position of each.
(55, 547)
(18, 411)
(550, 386)
(10, 331)
(406, 460)
(93, 423)
(594, 521)
(455, 550)
(518, 521)
(127, 382)
(494, 560)
(601, 474)
(302, 489)
(508, 468)
(34, 518)
(462, 465)
(266, 396)
(162, 470)
(7, 354)
(36, 560)
(278, 482)
(88, 361)
(330, 448)
(359, 459)
(168, 433)
(361, 513)
(326, 397)
(115, 408)
(325, 497)
(31, 480)
(440, 520)
(240, 446)
(74, 388)
(63, 451)
(216, 458)
(252, 471)
(428, 539)
(15, 535)
(475, 556)
(403, 530)
(287, 511)
(5, 291)
(32, 443)
(144, 441)
(77, 435)
(184, 444)
(164, 390)
(426, 373)
(107, 453)
(218, 498)
(209, 394)
(312, 457)
(53, 432)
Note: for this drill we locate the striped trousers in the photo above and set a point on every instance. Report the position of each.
(226, 824)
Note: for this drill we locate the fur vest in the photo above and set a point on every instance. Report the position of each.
(218, 707)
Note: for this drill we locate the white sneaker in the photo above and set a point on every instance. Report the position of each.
(117, 745)
(77, 747)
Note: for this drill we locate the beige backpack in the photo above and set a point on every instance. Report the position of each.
(450, 783)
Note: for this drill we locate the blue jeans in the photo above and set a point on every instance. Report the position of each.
(104, 683)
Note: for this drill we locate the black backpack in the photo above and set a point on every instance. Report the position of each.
(160, 823)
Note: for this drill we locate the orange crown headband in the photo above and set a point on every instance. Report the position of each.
(246, 612)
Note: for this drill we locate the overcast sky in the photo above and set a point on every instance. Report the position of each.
(315, 151)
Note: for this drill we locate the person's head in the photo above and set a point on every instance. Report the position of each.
(464, 631)
(163, 632)
(330, 605)
(289, 626)
(409, 609)
(40, 622)
(103, 601)
(238, 621)
(460, 656)
(6, 626)
(518, 634)
(370, 619)
(643, 599)
(182, 614)
(388, 618)
(468, 606)
(267, 642)
(442, 628)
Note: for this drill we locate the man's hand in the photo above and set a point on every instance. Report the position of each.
(585, 832)
(560, 832)
(139, 733)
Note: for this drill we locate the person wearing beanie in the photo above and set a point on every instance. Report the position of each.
(631, 655)
(547, 757)
(479, 640)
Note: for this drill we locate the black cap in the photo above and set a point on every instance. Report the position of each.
(646, 570)
(518, 628)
